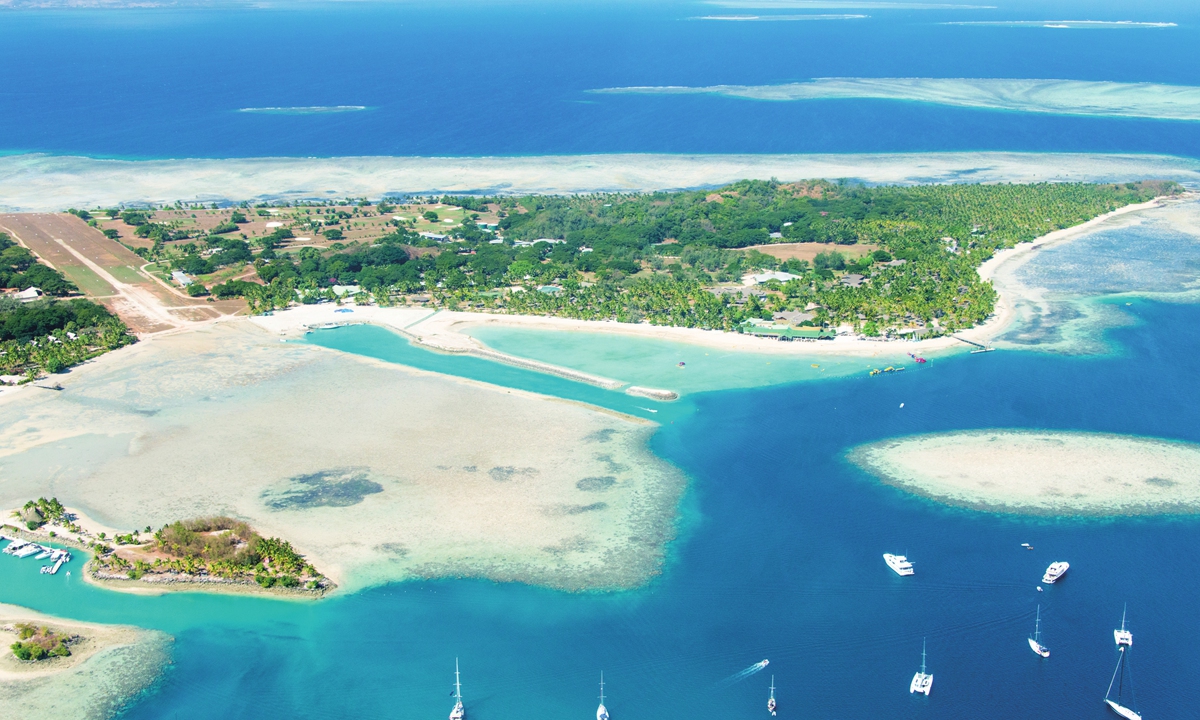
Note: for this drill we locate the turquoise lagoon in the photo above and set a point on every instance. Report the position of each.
(780, 560)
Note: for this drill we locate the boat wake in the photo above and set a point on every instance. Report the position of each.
(742, 675)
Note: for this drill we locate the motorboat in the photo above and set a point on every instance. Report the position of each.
(899, 563)
(1055, 572)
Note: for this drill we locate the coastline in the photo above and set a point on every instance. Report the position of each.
(41, 182)
(108, 667)
(96, 638)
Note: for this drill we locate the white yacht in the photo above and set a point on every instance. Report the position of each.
(601, 712)
(1124, 640)
(1055, 572)
(922, 682)
(899, 563)
(1035, 642)
(459, 712)
(771, 699)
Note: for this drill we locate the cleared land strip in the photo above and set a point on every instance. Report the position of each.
(110, 273)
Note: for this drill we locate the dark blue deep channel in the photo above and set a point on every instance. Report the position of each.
(779, 558)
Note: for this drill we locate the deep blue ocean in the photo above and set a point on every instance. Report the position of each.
(779, 558)
(511, 78)
(780, 538)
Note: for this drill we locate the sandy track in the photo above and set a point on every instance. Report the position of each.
(110, 273)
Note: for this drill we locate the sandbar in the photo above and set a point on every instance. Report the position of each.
(376, 472)
(1036, 472)
(109, 666)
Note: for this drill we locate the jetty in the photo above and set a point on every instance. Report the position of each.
(979, 348)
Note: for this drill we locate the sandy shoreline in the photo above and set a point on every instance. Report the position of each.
(110, 666)
(227, 420)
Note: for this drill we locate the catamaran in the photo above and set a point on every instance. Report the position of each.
(1123, 636)
(601, 712)
(1055, 572)
(771, 699)
(899, 563)
(459, 712)
(1124, 640)
(922, 682)
(1035, 642)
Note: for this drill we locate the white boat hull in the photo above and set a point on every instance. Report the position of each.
(1038, 648)
(922, 683)
(1122, 711)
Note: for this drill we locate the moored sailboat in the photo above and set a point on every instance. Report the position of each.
(771, 699)
(922, 682)
(601, 712)
(459, 712)
(1035, 642)
(1124, 640)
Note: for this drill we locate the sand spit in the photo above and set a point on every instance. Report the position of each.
(465, 479)
(107, 668)
(1042, 472)
(35, 183)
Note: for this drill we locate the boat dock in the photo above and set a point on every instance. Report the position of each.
(979, 348)
(21, 549)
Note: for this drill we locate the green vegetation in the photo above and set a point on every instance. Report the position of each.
(37, 513)
(20, 270)
(215, 546)
(50, 336)
(39, 643)
(657, 257)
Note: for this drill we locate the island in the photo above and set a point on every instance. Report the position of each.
(1041, 472)
(219, 552)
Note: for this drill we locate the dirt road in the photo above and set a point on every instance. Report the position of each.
(110, 273)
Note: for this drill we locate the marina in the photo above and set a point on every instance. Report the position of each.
(22, 549)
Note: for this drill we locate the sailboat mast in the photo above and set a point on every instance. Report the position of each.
(457, 684)
(772, 687)
(601, 687)
(1037, 626)
(922, 656)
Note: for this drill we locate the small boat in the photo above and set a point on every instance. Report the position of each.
(899, 563)
(45, 553)
(1027, 546)
(14, 546)
(922, 682)
(1055, 572)
(771, 699)
(28, 550)
(459, 712)
(1124, 640)
(1035, 642)
(682, 364)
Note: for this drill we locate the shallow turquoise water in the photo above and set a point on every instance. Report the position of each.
(655, 363)
(780, 561)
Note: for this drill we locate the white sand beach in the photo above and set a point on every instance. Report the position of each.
(1042, 472)
(108, 665)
